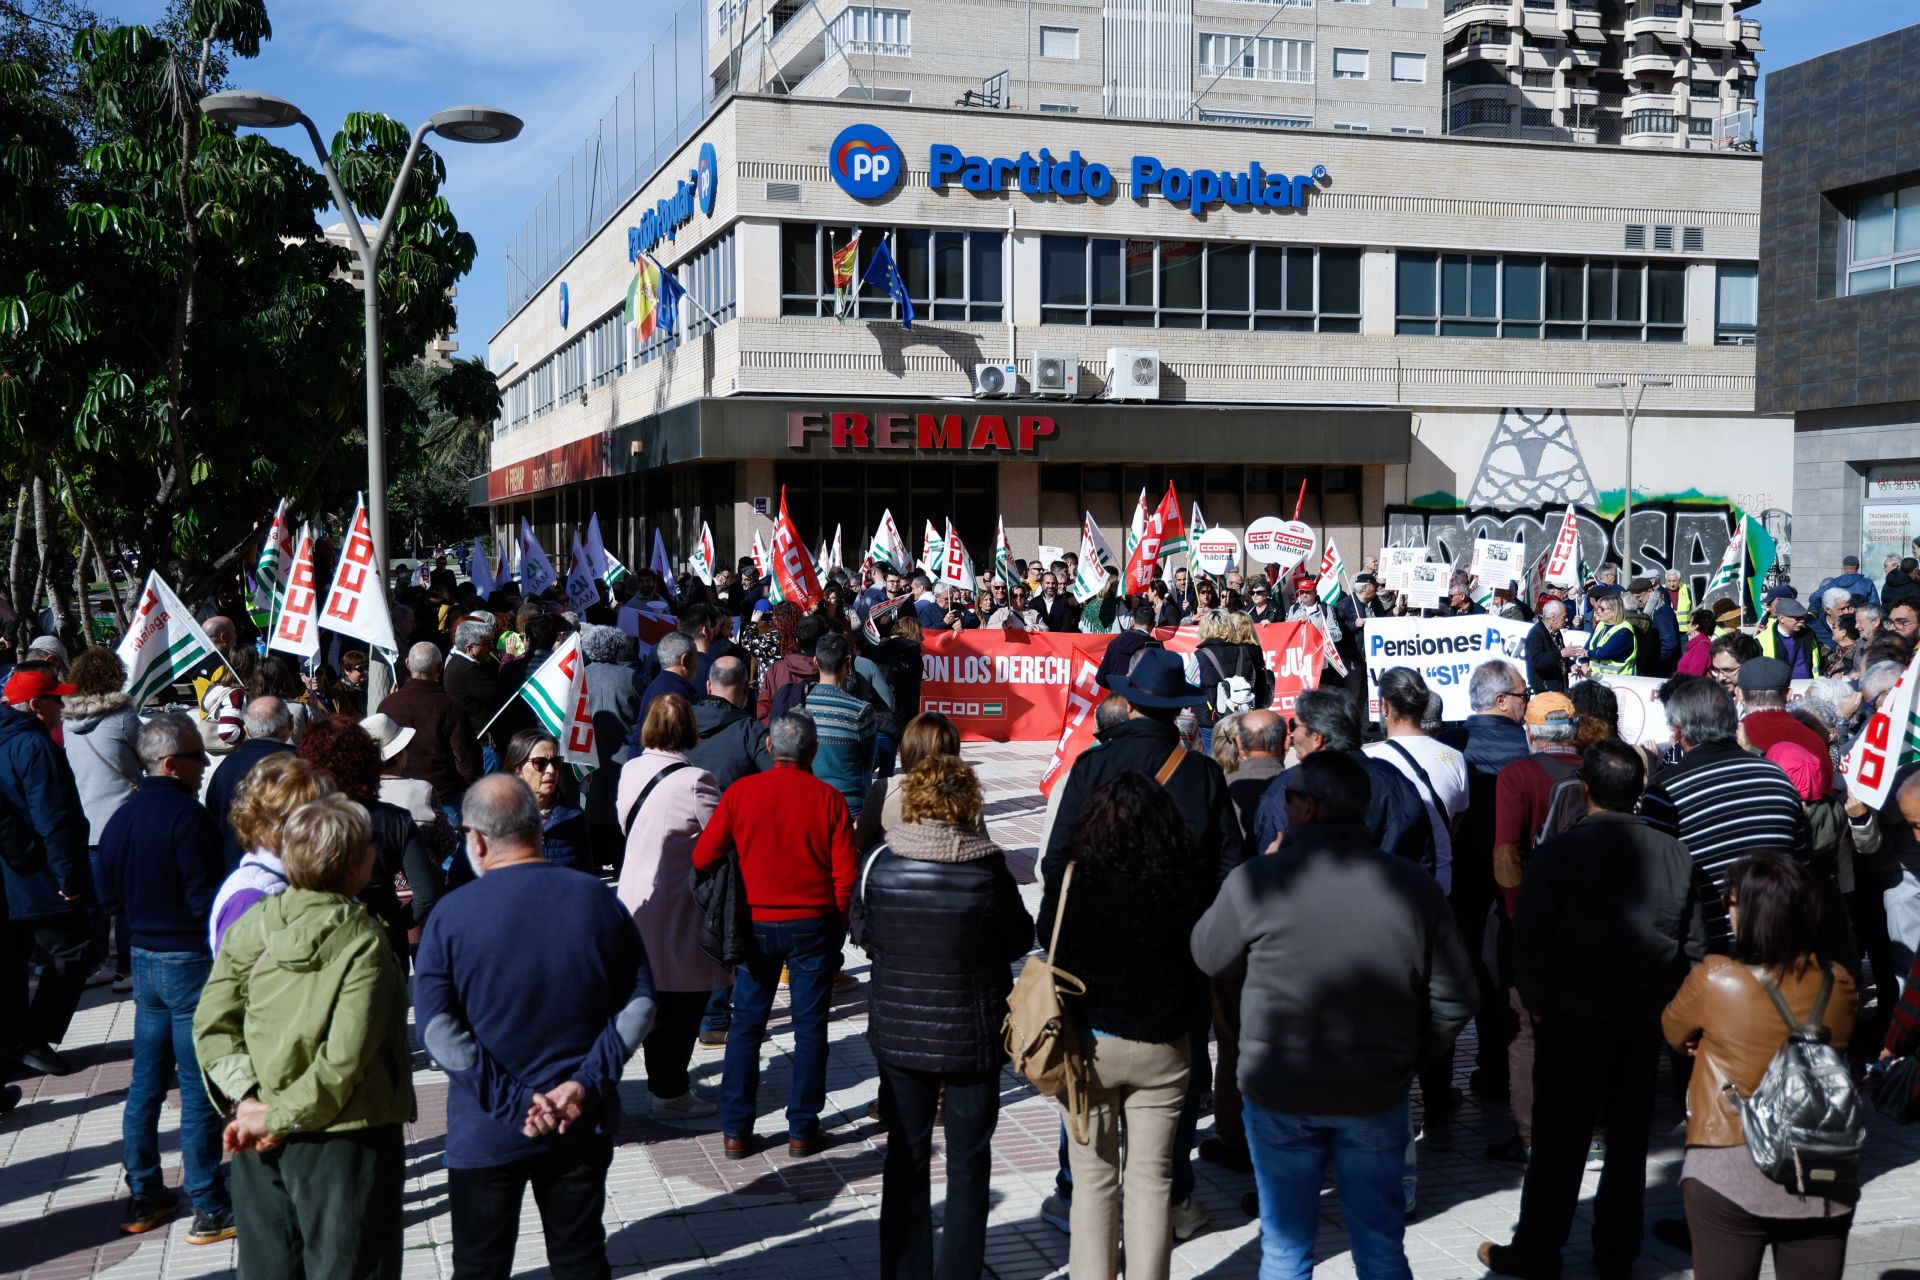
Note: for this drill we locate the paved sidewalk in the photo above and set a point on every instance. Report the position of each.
(675, 1208)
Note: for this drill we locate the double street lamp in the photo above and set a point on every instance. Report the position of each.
(1630, 412)
(460, 124)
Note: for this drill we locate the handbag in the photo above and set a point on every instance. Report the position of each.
(1894, 1089)
(1040, 1037)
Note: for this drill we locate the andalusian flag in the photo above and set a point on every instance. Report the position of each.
(557, 693)
(1762, 552)
(933, 550)
(643, 297)
(1003, 556)
(846, 264)
(1333, 572)
(1727, 576)
(276, 558)
(163, 644)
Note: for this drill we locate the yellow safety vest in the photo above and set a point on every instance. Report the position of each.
(1769, 638)
(1683, 603)
(1600, 637)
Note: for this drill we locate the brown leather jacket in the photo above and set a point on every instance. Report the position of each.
(1723, 1011)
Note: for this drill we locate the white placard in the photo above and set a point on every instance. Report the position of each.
(1497, 564)
(1445, 651)
(1426, 585)
(1216, 551)
(1394, 563)
(1286, 543)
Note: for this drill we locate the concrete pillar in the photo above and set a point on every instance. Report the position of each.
(757, 268)
(1377, 296)
(1703, 303)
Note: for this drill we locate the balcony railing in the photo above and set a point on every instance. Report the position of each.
(1238, 71)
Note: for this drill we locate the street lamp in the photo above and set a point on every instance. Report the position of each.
(461, 124)
(1630, 412)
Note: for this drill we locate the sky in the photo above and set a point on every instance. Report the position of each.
(559, 63)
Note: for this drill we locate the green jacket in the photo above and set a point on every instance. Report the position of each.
(307, 1008)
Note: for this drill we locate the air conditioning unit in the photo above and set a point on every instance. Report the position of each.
(1056, 374)
(995, 381)
(1133, 373)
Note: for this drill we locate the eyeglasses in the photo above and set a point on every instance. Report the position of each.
(543, 763)
(1513, 693)
(201, 756)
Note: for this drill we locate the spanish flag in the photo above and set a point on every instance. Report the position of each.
(846, 264)
(643, 297)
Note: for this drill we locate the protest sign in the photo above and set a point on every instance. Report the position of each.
(1497, 564)
(1426, 586)
(1395, 563)
(1285, 543)
(1216, 551)
(1444, 651)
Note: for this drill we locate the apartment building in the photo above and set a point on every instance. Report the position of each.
(1423, 333)
(441, 347)
(1679, 74)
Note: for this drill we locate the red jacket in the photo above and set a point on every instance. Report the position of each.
(795, 840)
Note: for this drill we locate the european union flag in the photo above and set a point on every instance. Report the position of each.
(882, 273)
(668, 308)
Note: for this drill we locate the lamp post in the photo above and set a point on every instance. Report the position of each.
(461, 124)
(1630, 412)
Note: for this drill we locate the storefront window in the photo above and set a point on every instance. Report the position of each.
(1192, 284)
(852, 495)
(952, 276)
(1461, 295)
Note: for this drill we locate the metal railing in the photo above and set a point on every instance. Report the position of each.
(661, 107)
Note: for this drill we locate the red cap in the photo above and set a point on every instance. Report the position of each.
(25, 686)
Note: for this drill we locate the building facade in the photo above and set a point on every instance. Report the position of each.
(1410, 330)
(1839, 331)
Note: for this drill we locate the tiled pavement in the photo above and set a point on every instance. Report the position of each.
(675, 1208)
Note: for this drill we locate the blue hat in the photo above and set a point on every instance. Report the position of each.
(1777, 591)
(762, 606)
(1159, 679)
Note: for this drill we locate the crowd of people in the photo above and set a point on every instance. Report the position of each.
(1283, 917)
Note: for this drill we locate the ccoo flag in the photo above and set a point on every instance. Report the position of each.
(1003, 556)
(1096, 562)
(701, 560)
(276, 558)
(357, 603)
(956, 566)
(1727, 576)
(296, 625)
(793, 569)
(557, 692)
(888, 548)
(932, 551)
(536, 571)
(163, 643)
(1333, 572)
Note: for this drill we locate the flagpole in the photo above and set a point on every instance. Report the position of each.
(686, 294)
(1300, 501)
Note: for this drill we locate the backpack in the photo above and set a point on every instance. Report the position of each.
(1566, 804)
(1231, 693)
(1805, 1125)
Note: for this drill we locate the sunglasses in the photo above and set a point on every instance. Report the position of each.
(543, 763)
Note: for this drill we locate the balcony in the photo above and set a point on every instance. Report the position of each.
(1648, 56)
(1244, 71)
(1716, 35)
(1654, 18)
(1495, 52)
(1461, 12)
(1750, 37)
(1582, 97)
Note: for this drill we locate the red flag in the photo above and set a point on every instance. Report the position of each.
(1077, 723)
(1163, 526)
(792, 566)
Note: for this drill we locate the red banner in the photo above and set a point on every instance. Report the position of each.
(1014, 686)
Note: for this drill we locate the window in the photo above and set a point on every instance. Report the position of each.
(1477, 112)
(1275, 122)
(1409, 4)
(1884, 241)
(1536, 79)
(1458, 295)
(1191, 284)
(1700, 128)
(863, 29)
(1058, 109)
(607, 348)
(1059, 42)
(1406, 128)
(1652, 122)
(951, 276)
(1340, 126)
(1410, 68)
(1737, 304)
(1349, 64)
(1536, 118)
(1262, 58)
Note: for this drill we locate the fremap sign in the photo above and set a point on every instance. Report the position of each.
(867, 164)
(845, 432)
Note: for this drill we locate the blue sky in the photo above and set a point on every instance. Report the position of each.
(558, 64)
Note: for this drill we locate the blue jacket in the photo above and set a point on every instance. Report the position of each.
(43, 832)
(1396, 816)
(161, 863)
(1855, 584)
(1666, 631)
(567, 840)
(1490, 743)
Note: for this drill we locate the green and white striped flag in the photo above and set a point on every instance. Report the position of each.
(276, 557)
(1333, 572)
(1727, 576)
(163, 644)
(557, 693)
(1003, 556)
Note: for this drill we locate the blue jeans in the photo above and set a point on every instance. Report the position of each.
(109, 932)
(886, 752)
(1290, 1155)
(719, 1014)
(166, 987)
(811, 951)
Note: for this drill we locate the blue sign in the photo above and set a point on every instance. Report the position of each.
(672, 212)
(865, 162)
(1198, 189)
(563, 304)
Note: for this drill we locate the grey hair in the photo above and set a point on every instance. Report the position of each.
(1553, 731)
(161, 737)
(601, 643)
(502, 808)
(1552, 607)
(1829, 690)
(1489, 681)
(1272, 738)
(268, 717)
(1703, 713)
(1866, 613)
(1330, 715)
(1880, 677)
(727, 673)
(472, 633)
(1835, 597)
(673, 649)
(792, 736)
(424, 660)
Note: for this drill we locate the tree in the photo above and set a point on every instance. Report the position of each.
(443, 442)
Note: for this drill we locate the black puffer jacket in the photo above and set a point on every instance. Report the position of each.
(940, 914)
(732, 743)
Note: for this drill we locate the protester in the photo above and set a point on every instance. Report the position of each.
(472, 678)
(102, 745)
(1137, 888)
(1122, 654)
(533, 1039)
(348, 694)
(928, 734)
(1263, 742)
(1606, 926)
(278, 676)
(793, 839)
(443, 751)
(941, 916)
(1762, 693)
(664, 803)
(269, 730)
(1055, 605)
(729, 742)
(1397, 821)
(161, 865)
(1724, 1016)
(1722, 802)
(1547, 653)
(1224, 746)
(1788, 638)
(1696, 658)
(533, 756)
(343, 751)
(844, 723)
(302, 1033)
(272, 791)
(796, 665)
(1437, 771)
(1614, 648)
(1356, 980)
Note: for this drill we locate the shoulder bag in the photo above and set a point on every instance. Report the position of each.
(1040, 1036)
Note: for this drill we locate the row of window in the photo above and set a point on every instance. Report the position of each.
(1884, 252)
(950, 275)
(1492, 296)
(1193, 284)
(1279, 58)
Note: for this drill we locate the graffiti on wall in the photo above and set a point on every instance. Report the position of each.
(1532, 469)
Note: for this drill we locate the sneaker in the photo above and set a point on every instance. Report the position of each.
(1057, 1211)
(713, 1039)
(123, 984)
(1597, 1154)
(100, 977)
(1188, 1218)
(212, 1228)
(688, 1106)
(145, 1215)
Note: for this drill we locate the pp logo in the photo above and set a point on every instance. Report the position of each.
(865, 162)
(706, 176)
